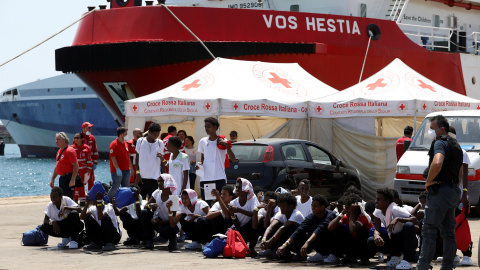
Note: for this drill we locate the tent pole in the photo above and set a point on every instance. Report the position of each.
(218, 117)
(415, 118)
(309, 127)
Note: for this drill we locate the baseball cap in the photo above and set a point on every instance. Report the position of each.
(86, 124)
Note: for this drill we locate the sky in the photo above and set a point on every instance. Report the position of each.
(26, 23)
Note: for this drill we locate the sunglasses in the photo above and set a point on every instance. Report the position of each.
(76, 138)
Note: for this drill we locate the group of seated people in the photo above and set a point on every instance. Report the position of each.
(285, 226)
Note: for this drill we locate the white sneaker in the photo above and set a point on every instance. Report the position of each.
(394, 261)
(73, 245)
(316, 258)
(466, 261)
(266, 253)
(194, 245)
(64, 242)
(455, 260)
(404, 265)
(330, 259)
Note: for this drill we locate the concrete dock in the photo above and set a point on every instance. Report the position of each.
(22, 214)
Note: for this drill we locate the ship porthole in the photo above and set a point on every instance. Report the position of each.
(373, 31)
(474, 80)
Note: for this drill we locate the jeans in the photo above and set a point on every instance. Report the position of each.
(404, 242)
(442, 200)
(147, 187)
(132, 226)
(123, 180)
(165, 230)
(199, 230)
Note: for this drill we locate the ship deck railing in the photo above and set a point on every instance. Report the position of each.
(439, 37)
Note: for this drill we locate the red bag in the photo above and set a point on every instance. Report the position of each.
(221, 147)
(236, 246)
(462, 230)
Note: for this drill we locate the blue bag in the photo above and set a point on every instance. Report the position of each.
(215, 248)
(124, 197)
(35, 237)
(97, 187)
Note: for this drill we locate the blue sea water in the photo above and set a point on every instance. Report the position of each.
(31, 176)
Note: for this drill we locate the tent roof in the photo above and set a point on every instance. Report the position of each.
(235, 87)
(396, 90)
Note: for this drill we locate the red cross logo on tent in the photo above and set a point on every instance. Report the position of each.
(376, 84)
(402, 106)
(319, 109)
(426, 86)
(478, 107)
(194, 84)
(135, 108)
(278, 79)
(235, 106)
(207, 106)
(424, 106)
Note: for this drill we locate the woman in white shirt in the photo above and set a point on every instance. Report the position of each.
(241, 212)
(60, 221)
(192, 217)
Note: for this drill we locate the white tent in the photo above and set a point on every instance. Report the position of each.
(387, 100)
(235, 90)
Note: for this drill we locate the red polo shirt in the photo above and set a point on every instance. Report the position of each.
(399, 148)
(65, 160)
(120, 151)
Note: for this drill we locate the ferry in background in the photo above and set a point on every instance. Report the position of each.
(34, 112)
(131, 50)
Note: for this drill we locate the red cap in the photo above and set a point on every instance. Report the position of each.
(86, 124)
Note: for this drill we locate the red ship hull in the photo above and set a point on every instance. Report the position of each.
(125, 45)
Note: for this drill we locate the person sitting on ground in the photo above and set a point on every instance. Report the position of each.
(241, 211)
(178, 164)
(258, 191)
(369, 209)
(192, 218)
(418, 210)
(352, 228)
(304, 201)
(101, 224)
(157, 215)
(283, 225)
(312, 234)
(130, 217)
(400, 225)
(216, 215)
(399, 201)
(62, 220)
(266, 210)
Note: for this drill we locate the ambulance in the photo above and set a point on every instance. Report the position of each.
(409, 181)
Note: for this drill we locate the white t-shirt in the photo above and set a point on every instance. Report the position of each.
(304, 208)
(147, 158)
(162, 210)
(214, 160)
(198, 208)
(263, 212)
(216, 207)
(191, 152)
(176, 168)
(52, 211)
(296, 217)
(131, 209)
(397, 211)
(107, 210)
(249, 206)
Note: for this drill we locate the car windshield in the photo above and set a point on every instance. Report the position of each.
(249, 152)
(467, 128)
